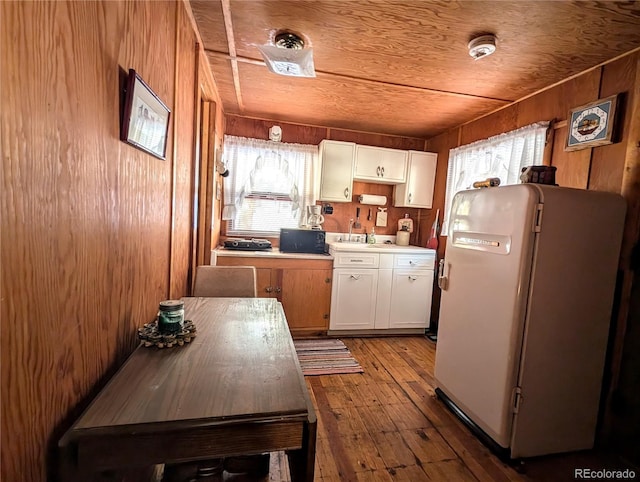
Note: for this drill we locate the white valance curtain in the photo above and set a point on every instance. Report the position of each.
(501, 156)
(275, 178)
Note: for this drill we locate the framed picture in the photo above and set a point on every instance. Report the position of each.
(592, 124)
(145, 122)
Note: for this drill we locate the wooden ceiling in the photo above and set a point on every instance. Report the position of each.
(403, 68)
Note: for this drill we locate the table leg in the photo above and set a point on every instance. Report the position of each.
(302, 461)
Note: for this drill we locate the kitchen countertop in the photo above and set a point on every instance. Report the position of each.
(384, 244)
(378, 248)
(270, 253)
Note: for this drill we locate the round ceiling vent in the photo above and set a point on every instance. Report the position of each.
(288, 40)
(482, 46)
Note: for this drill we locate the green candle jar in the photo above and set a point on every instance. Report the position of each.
(171, 316)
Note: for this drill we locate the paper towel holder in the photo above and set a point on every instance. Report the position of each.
(372, 199)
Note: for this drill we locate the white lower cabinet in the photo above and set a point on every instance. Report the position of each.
(411, 298)
(383, 300)
(393, 293)
(353, 299)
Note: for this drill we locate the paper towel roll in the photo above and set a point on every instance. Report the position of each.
(372, 199)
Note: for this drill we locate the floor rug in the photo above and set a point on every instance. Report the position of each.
(325, 357)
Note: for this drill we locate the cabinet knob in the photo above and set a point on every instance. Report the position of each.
(410, 196)
(412, 278)
(378, 171)
(269, 289)
(278, 289)
(327, 280)
(382, 171)
(346, 192)
(353, 276)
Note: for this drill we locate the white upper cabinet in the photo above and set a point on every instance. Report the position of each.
(417, 192)
(380, 165)
(336, 177)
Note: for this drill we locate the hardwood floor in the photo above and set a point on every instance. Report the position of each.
(386, 424)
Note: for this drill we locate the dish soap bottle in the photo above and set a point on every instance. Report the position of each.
(372, 237)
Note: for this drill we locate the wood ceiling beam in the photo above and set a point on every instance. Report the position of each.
(228, 26)
(245, 60)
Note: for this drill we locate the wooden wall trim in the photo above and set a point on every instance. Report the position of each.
(206, 72)
(174, 174)
(183, 198)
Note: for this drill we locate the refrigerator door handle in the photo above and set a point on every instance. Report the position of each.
(516, 398)
(443, 280)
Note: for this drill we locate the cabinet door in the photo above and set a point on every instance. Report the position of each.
(353, 299)
(368, 160)
(306, 299)
(394, 165)
(411, 298)
(336, 177)
(383, 299)
(417, 192)
(265, 285)
(380, 165)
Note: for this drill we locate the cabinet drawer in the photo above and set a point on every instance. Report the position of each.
(421, 261)
(361, 260)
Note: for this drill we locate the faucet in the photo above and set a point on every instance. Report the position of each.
(350, 226)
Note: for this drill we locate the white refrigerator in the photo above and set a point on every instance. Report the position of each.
(528, 282)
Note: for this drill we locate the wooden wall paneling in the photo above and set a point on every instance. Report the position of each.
(200, 179)
(378, 140)
(441, 145)
(205, 73)
(212, 181)
(208, 224)
(184, 117)
(620, 425)
(217, 224)
(85, 217)
(207, 190)
(343, 212)
(572, 167)
(142, 183)
(503, 120)
(205, 102)
(608, 162)
(554, 103)
(259, 129)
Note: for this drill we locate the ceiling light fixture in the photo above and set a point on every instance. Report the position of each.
(482, 46)
(288, 56)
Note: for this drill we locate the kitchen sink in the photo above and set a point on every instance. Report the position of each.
(343, 246)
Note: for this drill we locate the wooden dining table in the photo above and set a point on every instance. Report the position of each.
(235, 389)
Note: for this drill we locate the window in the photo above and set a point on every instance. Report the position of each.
(269, 185)
(501, 156)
